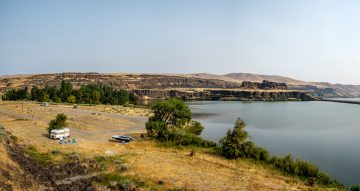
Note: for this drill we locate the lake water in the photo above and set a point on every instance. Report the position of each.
(324, 133)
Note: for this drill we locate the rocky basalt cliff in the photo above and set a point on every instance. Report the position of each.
(117, 81)
(265, 85)
(225, 94)
(163, 86)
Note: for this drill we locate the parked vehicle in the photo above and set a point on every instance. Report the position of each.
(59, 133)
(123, 138)
(45, 104)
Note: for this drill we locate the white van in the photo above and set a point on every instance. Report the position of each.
(60, 133)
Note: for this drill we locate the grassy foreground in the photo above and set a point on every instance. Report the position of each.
(148, 164)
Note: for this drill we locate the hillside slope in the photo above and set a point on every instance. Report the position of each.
(171, 81)
(317, 88)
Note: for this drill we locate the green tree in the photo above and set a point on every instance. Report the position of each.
(51, 91)
(172, 112)
(58, 123)
(65, 90)
(234, 144)
(121, 97)
(95, 97)
(34, 93)
(57, 99)
(42, 96)
(20, 94)
(71, 99)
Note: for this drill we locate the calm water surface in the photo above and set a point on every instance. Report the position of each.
(324, 133)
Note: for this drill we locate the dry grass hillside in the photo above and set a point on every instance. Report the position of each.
(340, 89)
(174, 81)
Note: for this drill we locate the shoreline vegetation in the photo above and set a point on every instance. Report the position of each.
(171, 124)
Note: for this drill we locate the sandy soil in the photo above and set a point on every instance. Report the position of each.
(93, 126)
(29, 120)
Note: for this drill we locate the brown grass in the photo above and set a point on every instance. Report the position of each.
(146, 159)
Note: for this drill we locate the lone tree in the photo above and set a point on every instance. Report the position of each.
(171, 114)
(232, 145)
(58, 123)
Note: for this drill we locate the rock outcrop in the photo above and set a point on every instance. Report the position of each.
(320, 92)
(163, 86)
(117, 81)
(265, 85)
(225, 94)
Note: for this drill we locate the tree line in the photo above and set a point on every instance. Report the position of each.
(86, 94)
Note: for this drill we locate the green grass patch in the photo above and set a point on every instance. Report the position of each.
(3, 133)
(174, 145)
(41, 158)
(52, 157)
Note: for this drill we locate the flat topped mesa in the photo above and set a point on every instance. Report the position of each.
(265, 85)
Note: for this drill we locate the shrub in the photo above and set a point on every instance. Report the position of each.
(195, 128)
(118, 161)
(71, 99)
(179, 137)
(57, 100)
(234, 144)
(355, 188)
(324, 179)
(58, 123)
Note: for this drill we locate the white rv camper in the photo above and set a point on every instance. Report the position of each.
(45, 104)
(60, 133)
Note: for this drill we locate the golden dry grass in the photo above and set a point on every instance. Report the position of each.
(147, 160)
(12, 174)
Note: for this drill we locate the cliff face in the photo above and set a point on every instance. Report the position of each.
(132, 81)
(265, 85)
(322, 89)
(225, 94)
(320, 92)
(163, 86)
(117, 81)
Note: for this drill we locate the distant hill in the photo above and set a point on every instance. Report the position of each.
(196, 80)
(317, 88)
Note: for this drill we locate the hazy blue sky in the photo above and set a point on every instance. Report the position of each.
(309, 40)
